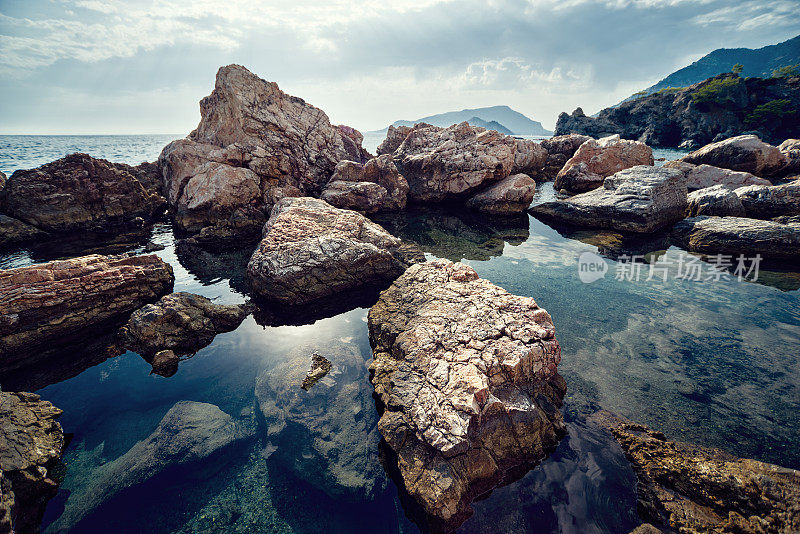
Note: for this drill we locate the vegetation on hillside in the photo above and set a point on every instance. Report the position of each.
(717, 91)
(769, 111)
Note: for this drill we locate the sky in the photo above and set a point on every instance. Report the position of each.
(141, 66)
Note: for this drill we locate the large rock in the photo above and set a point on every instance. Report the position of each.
(313, 251)
(694, 489)
(31, 444)
(465, 375)
(640, 199)
(394, 138)
(559, 150)
(746, 153)
(48, 304)
(739, 235)
(370, 187)
(510, 195)
(189, 432)
(790, 148)
(702, 176)
(597, 159)
(716, 200)
(578, 123)
(78, 193)
(13, 232)
(767, 202)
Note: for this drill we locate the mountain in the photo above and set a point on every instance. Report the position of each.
(514, 121)
(490, 125)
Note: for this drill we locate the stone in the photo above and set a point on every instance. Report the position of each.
(312, 251)
(394, 138)
(641, 199)
(595, 160)
(739, 235)
(702, 176)
(746, 153)
(15, 232)
(165, 363)
(510, 195)
(3, 179)
(578, 123)
(716, 200)
(320, 366)
(369, 188)
(694, 489)
(790, 148)
(48, 304)
(565, 145)
(465, 377)
(31, 445)
(767, 202)
(79, 193)
(352, 140)
(189, 432)
(182, 322)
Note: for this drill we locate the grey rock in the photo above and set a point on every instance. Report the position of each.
(767, 202)
(702, 176)
(510, 195)
(739, 235)
(394, 138)
(746, 153)
(374, 186)
(716, 200)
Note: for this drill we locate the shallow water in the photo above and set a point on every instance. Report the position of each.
(710, 362)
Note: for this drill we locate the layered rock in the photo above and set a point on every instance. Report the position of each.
(79, 193)
(745, 153)
(466, 378)
(767, 202)
(739, 235)
(696, 489)
(559, 150)
(374, 186)
(31, 444)
(47, 304)
(702, 176)
(394, 138)
(640, 199)
(595, 160)
(716, 200)
(313, 251)
(510, 195)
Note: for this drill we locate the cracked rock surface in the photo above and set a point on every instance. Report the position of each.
(370, 187)
(466, 377)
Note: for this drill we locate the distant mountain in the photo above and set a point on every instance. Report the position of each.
(490, 125)
(512, 121)
(759, 62)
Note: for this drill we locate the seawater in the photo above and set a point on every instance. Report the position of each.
(709, 362)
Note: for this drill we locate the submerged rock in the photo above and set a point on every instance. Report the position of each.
(767, 202)
(313, 251)
(165, 363)
(595, 160)
(746, 153)
(320, 366)
(369, 188)
(510, 195)
(49, 303)
(702, 176)
(466, 378)
(716, 200)
(31, 444)
(739, 235)
(640, 199)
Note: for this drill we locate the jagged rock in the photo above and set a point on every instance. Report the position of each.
(790, 148)
(189, 432)
(165, 363)
(694, 489)
(466, 378)
(320, 366)
(746, 153)
(579, 123)
(559, 150)
(327, 434)
(31, 444)
(716, 200)
(450, 163)
(371, 187)
(597, 159)
(182, 322)
(640, 199)
(13, 232)
(313, 251)
(394, 138)
(352, 140)
(767, 202)
(510, 195)
(702, 176)
(47, 304)
(739, 235)
(79, 192)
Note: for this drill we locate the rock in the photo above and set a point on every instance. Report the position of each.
(78, 193)
(746, 153)
(13, 232)
(510, 195)
(47, 304)
(702, 176)
(366, 197)
(579, 123)
(352, 140)
(695, 489)
(189, 432)
(565, 145)
(790, 148)
(31, 444)
(716, 200)
(394, 138)
(739, 235)
(165, 363)
(641, 199)
(326, 435)
(597, 159)
(182, 322)
(313, 251)
(372, 187)
(465, 376)
(767, 202)
(320, 366)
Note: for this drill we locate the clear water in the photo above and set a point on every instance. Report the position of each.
(714, 363)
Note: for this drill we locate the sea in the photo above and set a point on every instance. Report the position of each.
(713, 361)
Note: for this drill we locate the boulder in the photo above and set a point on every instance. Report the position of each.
(746, 153)
(13, 232)
(165, 363)
(695, 489)
(595, 160)
(790, 148)
(510, 195)
(739, 235)
(702, 176)
(313, 251)
(189, 432)
(559, 150)
(767, 202)
(465, 375)
(716, 200)
(394, 138)
(352, 140)
(79, 193)
(641, 199)
(31, 444)
(48, 304)
(182, 322)
(369, 188)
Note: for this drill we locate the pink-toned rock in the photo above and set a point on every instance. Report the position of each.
(352, 140)
(566, 145)
(394, 138)
(745, 153)
(597, 159)
(702, 176)
(369, 188)
(510, 195)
